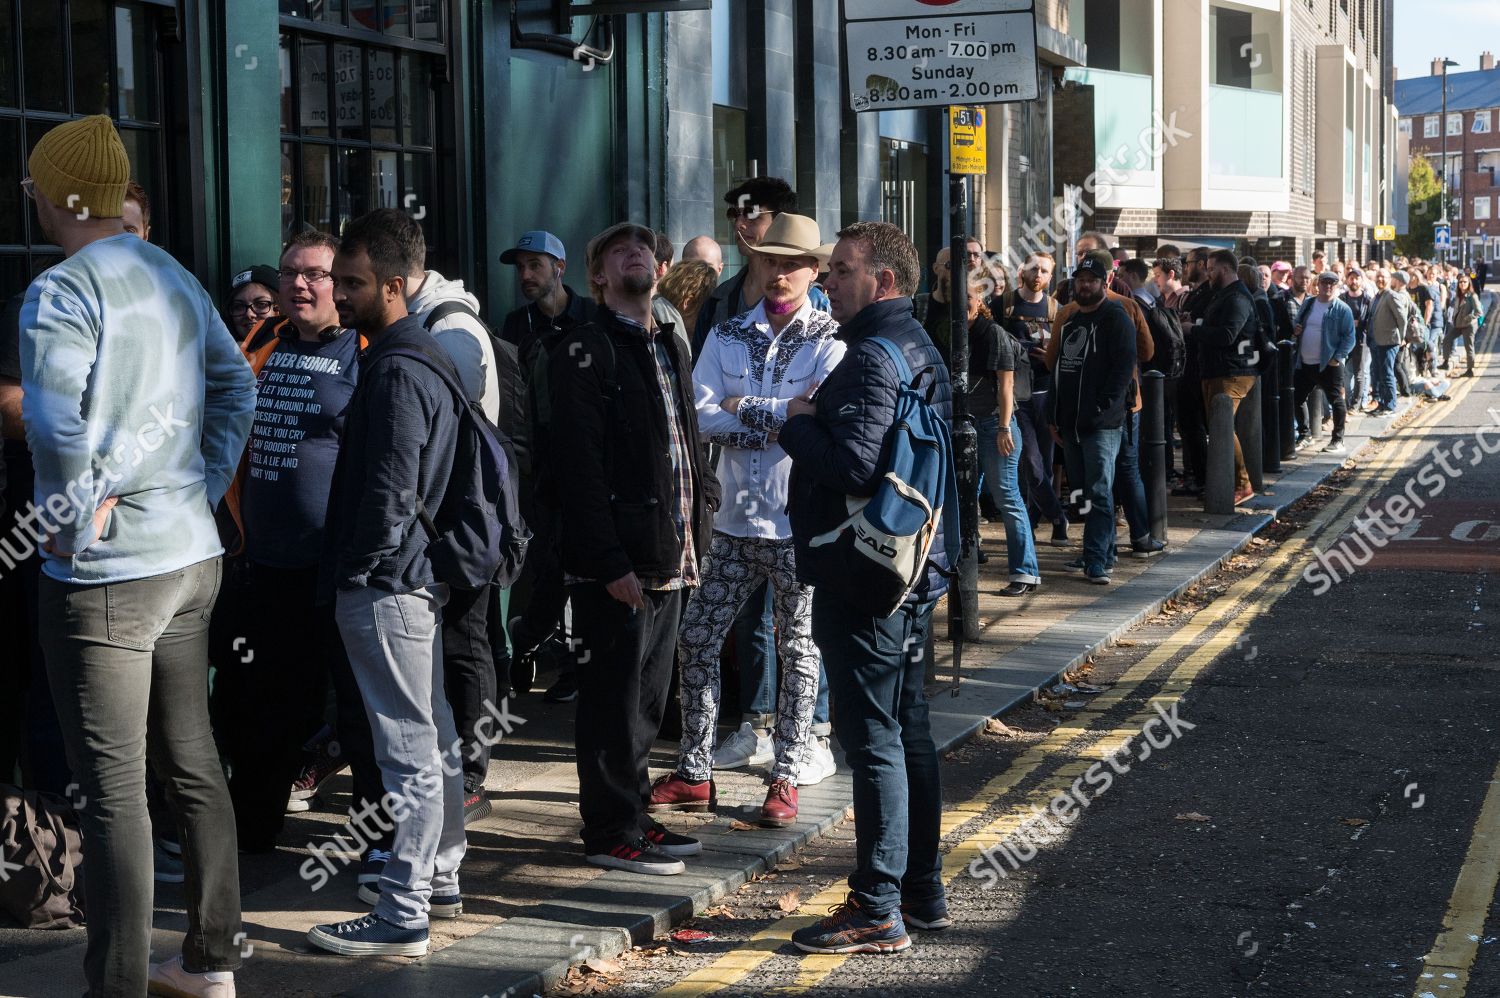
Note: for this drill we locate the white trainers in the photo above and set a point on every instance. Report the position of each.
(746, 747)
(817, 763)
(170, 979)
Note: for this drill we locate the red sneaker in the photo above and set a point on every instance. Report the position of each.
(673, 793)
(780, 808)
(1240, 497)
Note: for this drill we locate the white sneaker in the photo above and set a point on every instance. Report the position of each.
(170, 979)
(817, 763)
(746, 747)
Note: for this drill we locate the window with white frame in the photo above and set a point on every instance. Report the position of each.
(1481, 122)
(1482, 207)
(1430, 127)
(1455, 124)
(1405, 125)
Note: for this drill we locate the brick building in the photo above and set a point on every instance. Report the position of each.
(1473, 143)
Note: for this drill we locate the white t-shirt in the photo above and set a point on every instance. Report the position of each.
(1312, 334)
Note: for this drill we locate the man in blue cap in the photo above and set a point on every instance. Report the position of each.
(552, 308)
(540, 262)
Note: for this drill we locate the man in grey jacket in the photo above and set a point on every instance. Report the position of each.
(1390, 315)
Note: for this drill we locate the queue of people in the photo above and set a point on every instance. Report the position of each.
(268, 487)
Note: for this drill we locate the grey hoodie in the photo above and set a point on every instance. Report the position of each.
(465, 340)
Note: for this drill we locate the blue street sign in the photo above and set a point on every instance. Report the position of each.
(1442, 237)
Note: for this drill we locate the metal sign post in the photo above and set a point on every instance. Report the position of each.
(957, 53)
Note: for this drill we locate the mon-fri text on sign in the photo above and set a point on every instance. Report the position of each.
(928, 53)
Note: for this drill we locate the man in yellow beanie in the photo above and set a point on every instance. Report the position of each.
(137, 404)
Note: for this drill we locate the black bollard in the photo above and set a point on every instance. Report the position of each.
(1315, 414)
(1218, 478)
(1288, 360)
(1154, 450)
(1270, 417)
(1247, 427)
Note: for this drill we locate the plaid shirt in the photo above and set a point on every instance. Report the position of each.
(667, 381)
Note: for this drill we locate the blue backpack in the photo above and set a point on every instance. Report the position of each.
(875, 558)
(477, 536)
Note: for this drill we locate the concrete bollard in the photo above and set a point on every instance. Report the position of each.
(1287, 364)
(1218, 485)
(1247, 427)
(1270, 418)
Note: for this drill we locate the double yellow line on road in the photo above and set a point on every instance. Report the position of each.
(1218, 628)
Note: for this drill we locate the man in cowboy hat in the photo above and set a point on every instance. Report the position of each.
(751, 367)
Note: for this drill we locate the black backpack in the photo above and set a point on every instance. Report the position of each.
(512, 419)
(1170, 356)
(477, 535)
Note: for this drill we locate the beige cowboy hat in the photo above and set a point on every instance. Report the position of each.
(795, 235)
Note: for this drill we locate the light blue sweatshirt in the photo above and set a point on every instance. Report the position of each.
(133, 388)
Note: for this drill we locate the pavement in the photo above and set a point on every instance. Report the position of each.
(533, 909)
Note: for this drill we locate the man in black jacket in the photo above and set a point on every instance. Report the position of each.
(1227, 348)
(394, 461)
(1091, 398)
(637, 501)
(875, 667)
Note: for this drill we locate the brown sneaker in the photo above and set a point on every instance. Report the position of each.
(780, 808)
(673, 793)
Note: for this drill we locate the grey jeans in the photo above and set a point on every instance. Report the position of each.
(128, 667)
(394, 643)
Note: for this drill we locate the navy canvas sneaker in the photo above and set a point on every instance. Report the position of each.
(847, 929)
(669, 842)
(369, 936)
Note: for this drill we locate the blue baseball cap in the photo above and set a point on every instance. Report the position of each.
(536, 241)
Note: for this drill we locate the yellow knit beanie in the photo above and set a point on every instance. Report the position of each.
(82, 165)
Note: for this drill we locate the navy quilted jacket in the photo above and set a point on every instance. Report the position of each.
(839, 451)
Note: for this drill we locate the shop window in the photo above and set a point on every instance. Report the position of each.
(61, 61)
(357, 116)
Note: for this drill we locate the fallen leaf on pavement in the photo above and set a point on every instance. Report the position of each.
(995, 726)
(1355, 822)
(718, 911)
(788, 902)
(1192, 816)
(1124, 644)
(598, 966)
(739, 826)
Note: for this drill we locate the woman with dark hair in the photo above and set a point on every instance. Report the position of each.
(252, 298)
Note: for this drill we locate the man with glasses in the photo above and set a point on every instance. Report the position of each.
(252, 299)
(269, 702)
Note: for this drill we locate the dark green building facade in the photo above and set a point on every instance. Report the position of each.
(247, 119)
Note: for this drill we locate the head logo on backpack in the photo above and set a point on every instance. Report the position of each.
(875, 558)
(477, 535)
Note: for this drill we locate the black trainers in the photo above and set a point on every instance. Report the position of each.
(565, 690)
(639, 856)
(1018, 589)
(669, 842)
(1060, 534)
(476, 806)
(1149, 547)
(369, 936)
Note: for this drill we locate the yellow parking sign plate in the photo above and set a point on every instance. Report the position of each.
(967, 148)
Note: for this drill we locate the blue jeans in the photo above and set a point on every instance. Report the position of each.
(1091, 462)
(1001, 477)
(876, 669)
(1129, 490)
(1383, 368)
(394, 641)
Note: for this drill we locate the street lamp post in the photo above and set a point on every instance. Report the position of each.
(1443, 174)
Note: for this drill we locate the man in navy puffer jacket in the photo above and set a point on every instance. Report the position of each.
(875, 667)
